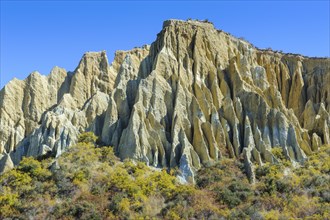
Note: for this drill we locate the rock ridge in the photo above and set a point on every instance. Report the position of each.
(192, 97)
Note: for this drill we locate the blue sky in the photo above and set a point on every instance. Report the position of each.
(38, 35)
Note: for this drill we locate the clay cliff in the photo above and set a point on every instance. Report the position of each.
(195, 95)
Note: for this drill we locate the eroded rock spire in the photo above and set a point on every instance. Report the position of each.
(195, 95)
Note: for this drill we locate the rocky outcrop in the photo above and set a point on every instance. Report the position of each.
(195, 95)
(44, 114)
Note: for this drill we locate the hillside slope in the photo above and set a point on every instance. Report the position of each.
(195, 95)
(89, 182)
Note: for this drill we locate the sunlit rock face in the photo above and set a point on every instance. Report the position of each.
(195, 95)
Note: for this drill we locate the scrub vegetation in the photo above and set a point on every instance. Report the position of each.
(90, 182)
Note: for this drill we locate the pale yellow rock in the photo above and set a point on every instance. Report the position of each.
(195, 95)
(316, 142)
(309, 116)
(296, 101)
(200, 143)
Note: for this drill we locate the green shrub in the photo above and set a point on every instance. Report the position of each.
(209, 176)
(34, 168)
(87, 137)
(92, 183)
(18, 181)
(236, 193)
(278, 153)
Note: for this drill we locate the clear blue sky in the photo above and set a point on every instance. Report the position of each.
(38, 35)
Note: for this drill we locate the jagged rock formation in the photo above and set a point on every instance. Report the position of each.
(195, 95)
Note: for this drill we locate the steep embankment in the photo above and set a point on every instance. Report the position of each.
(196, 95)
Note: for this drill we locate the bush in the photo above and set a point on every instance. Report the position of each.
(209, 176)
(8, 201)
(107, 155)
(278, 153)
(77, 210)
(236, 193)
(87, 137)
(18, 181)
(92, 183)
(34, 168)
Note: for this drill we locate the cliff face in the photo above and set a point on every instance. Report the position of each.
(195, 95)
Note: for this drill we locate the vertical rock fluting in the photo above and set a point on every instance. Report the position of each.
(207, 94)
(45, 114)
(195, 96)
